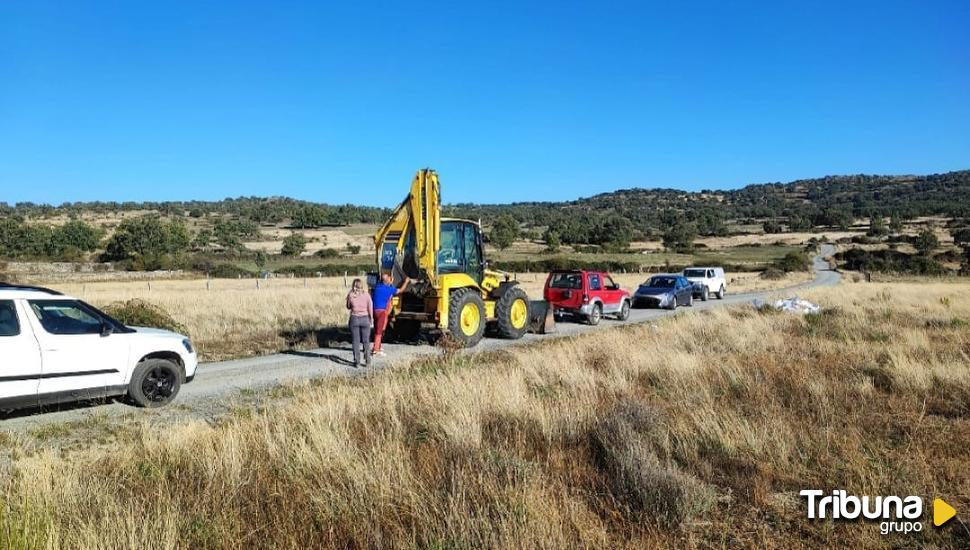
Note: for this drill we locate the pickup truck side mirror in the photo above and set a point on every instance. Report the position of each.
(106, 330)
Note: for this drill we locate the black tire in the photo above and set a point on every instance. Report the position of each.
(155, 383)
(721, 292)
(508, 313)
(705, 294)
(460, 299)
(404, 330)
(624, 311)
(690, 300)
(596, 316)
(673, 303)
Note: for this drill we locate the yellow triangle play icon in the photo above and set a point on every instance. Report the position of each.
(942, 512)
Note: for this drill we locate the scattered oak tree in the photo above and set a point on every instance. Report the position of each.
(926, 242)
(294, 245)
(504, 232)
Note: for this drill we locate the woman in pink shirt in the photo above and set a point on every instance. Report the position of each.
(361, 320)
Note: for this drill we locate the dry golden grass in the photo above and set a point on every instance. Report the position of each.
(235, 319)
(271, 240)
(696, 432)
(772, 238)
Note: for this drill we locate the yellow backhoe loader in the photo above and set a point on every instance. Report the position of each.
(452, 288)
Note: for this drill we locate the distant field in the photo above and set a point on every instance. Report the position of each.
(753, 256)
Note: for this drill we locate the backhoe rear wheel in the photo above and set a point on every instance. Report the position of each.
(405, 331)
(466, 316)
(512, 313)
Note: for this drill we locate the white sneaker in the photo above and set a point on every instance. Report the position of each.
(379, 353)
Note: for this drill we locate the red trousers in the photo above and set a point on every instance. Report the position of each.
(380, 323)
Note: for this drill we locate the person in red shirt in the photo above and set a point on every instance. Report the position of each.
(383, 293)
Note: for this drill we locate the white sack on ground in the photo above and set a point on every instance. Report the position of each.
(790, 305)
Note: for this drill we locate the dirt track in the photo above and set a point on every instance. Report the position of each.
(217, 385)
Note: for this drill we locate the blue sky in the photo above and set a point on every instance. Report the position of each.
(509, 101)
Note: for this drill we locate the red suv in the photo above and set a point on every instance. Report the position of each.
(586, 294)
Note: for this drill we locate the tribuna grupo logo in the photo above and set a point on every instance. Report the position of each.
(894, 514)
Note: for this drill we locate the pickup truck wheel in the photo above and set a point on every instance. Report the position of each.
(155, 383)
(705, 294)
(721, 293)
(624, 311)
(466, 316)
(596, 316)
(512, 311)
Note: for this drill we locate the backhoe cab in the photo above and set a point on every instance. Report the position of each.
(452, 288)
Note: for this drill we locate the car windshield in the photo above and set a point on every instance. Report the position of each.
(661, 282)
(572, 281)
(694, 273)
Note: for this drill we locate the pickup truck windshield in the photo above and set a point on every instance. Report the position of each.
(699, 273)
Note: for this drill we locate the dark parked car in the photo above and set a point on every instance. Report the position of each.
(666, 291)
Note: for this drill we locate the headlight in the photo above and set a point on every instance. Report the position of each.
(188, 345)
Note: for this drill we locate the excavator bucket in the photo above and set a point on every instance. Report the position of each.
(541, 317)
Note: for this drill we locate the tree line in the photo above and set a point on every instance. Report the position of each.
(259, 210)
(606, 222)
(673, 216)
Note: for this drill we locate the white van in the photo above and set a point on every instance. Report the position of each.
(707, 281)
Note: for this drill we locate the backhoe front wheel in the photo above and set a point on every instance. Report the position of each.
(512, 311)
(466, 316)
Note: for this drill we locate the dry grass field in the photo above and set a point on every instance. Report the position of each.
(235, 319)
(698, 431)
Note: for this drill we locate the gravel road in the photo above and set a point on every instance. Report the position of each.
(217, 383)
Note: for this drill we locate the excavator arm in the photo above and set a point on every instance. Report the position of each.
(409, 241)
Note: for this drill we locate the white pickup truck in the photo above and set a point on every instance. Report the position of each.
(54, 349)
(707, 281)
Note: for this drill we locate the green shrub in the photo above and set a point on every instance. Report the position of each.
(140, 313)
(294, 245)
(772, 274)
(889, 261)
(230, 271)
(793, 261)
(327, 253)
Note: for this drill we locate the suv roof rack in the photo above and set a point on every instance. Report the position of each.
(13, 286)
